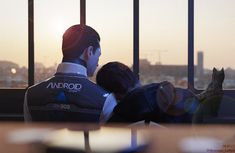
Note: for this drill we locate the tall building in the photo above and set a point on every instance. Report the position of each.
(200, 68)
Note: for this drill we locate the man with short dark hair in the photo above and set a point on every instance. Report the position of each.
(69, 95)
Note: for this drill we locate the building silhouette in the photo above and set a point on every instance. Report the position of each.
(200, 65)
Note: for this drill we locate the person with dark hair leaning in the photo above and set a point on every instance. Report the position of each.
(69, 95)
(158, 102)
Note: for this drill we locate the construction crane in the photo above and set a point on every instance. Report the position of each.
(153, 53)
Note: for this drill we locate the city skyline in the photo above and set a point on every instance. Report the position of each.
(14, 76)
(163, 26)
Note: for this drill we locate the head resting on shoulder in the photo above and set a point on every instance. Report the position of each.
(118, 78)
(81, 45)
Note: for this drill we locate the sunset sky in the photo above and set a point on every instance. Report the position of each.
(163, 30)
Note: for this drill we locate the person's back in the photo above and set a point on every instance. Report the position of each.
(66, 98)
(69, 95)
(152, 103)
(137, 105)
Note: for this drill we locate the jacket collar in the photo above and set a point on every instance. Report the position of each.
(67, 67)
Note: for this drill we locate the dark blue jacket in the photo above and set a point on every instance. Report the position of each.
(68, 97)
(142, 104)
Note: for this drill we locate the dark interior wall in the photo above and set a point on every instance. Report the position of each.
(11, 108)
(11, 105)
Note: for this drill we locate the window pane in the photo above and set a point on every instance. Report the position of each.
(163, 41)
(52, 18)
(14, 44)
(113, 20)
(215, 37)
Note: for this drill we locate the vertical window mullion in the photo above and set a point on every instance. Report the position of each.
(83, 12)
(30, 42)
(190, 44)
(136, 38)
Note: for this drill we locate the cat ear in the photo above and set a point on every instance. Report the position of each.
(214, 69)
(222, 69)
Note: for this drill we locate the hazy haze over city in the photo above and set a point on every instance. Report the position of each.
(163, 30)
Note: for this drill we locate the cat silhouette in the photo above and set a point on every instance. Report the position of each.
(215, 87)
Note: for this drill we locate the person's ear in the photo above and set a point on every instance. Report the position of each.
(87, 53)
(90, 51)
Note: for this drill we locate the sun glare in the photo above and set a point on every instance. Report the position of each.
(13, 70)
(59, 28)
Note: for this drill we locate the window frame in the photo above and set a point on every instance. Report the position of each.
(135, 39)
(12, 99)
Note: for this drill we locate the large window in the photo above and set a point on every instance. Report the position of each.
(113, 20)
(13, 44)
(214, 41)
(163, 38)
(163, 41)
(51, 18)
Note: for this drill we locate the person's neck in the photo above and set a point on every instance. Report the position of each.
(75, 61)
